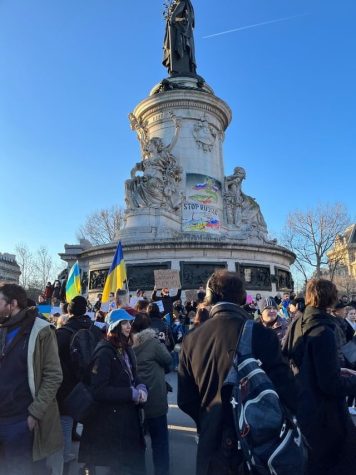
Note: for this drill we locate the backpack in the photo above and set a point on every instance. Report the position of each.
(269, 438)
(81, 348)
(294, 345)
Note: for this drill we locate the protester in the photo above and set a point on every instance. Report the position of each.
(270, 318)
(153, 361)
(178, 332)
(48, 291)
(30, 374)
(323, 385)
(206, 358)
(77, 321)
(141, 305)
(351, 317)
(201, 316)
(122, 301)
(344, 300)
(161, 327)
(97, 304)
(343, 331)
(296, 308)
(167, 300)
(112, 435)
(56, 294)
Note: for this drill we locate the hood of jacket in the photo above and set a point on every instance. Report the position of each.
(143, 336)
(222, 307)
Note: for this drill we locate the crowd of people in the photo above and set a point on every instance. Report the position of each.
(118, 358)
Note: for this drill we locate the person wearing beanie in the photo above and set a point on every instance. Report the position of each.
(77, 321)
(270, 318)
(113, 435)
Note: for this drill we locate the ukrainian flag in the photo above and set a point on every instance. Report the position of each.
(116, 275)
(73, 287)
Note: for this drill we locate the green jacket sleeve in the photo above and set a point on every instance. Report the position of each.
(47, 372)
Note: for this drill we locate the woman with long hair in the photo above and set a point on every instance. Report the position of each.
(113, 435)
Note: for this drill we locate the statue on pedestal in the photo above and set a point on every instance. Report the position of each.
(157, 185)
(242, 211)
(179, 50)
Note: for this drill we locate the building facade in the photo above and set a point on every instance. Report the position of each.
(9, 268)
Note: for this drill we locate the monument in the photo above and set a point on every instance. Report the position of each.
(182, 211)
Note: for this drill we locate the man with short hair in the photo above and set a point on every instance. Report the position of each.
(78, 320)
(167, 299)
(30, 375)
(206, 358)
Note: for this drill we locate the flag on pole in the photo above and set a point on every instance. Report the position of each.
(73, 287)
(116, 276)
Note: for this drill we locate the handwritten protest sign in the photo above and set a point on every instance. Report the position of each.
(190, 295)
(167, 278)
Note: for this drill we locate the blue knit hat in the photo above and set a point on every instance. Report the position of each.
(268, 302)
(115, 317)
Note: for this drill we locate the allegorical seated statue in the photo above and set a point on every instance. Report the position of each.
(179, 50)
(157, 187)
(242, 210)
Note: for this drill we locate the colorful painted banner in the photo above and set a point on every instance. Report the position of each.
(203, 208)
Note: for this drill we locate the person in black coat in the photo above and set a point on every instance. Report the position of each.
(112, 435)
(322, 385)
(206, 358)
(167, 300)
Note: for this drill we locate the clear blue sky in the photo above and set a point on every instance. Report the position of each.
(71, 71)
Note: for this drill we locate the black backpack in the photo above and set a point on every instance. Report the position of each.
(294, 345)
(82, 346)
(267, 435)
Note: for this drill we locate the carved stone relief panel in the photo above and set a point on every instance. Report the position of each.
(204, 134)
(97, 279)
(256, 277)
(195, 274)
(284, 279)
(141, 276)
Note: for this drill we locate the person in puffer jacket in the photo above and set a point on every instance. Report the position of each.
(153, 361)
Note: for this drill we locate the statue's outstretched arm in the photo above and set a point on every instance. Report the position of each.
(177, 124)
(137, 168)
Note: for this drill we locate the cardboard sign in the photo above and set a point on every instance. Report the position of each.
(190, 295)
(167, 278)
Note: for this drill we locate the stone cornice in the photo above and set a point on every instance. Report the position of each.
(98, 251)
(184, 100)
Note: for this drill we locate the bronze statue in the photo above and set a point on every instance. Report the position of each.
(179, 51)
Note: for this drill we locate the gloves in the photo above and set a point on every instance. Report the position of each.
(139, 394)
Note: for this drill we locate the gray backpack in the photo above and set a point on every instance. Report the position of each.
(269, 438)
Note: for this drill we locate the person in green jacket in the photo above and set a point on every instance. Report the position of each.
(153, 361)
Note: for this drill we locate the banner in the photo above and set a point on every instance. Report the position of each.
(203, 208)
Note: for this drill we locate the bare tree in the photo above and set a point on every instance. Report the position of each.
(101, 226)
(43, 265)
(310, 234)
(24, 258)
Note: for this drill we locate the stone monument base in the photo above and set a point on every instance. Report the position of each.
(264, 267)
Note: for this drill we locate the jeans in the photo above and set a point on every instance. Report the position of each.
(67, 425)
(16, 442)
(158, 430)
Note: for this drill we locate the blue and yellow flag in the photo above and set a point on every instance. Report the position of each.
(73, 283)
(116, 276)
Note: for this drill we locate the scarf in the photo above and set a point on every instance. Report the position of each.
(20, 319)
